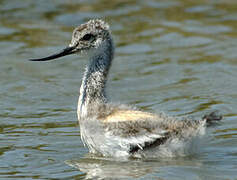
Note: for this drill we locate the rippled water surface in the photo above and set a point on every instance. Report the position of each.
(176, 56)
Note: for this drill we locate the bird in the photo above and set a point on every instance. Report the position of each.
(120, 130)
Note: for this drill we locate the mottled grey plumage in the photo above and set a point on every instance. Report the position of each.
(120, 130)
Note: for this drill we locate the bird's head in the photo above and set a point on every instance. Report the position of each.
(85, 38)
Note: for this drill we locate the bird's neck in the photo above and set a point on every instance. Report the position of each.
(92, 91)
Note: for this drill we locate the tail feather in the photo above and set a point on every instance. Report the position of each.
(212, 118)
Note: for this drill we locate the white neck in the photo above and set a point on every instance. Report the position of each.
(92, 91)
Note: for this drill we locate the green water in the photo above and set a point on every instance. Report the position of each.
(176, 56)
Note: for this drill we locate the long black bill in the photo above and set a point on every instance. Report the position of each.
(64, 52)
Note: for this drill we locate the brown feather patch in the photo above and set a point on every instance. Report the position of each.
(128, 115)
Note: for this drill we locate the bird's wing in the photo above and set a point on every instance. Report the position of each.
(135, 129)
(134, 137)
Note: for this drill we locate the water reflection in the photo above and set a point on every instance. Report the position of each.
(105, 168)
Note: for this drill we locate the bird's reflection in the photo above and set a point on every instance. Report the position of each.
(110, 168)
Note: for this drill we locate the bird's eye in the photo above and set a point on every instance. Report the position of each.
(87, 37)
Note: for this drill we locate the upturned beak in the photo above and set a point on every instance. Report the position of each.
(64, 52)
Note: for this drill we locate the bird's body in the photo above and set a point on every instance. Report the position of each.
(121, 130)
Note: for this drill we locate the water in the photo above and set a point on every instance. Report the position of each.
(175, 56)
